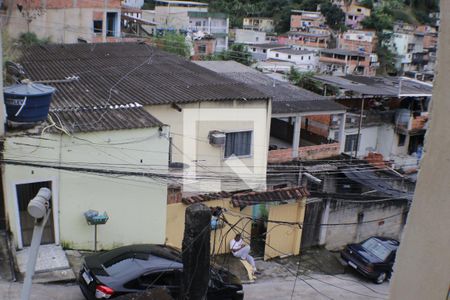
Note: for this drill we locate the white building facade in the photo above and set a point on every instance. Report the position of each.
(303, 60)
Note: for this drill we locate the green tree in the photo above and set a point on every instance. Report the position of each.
(387, 60)
(173, 43)
(237, 52)
(334, 16)
(304, 80)
(367, 3)
(27, 39)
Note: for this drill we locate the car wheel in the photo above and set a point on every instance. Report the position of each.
(381, 278)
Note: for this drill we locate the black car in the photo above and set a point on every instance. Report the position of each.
(136, 268)
(373, 257)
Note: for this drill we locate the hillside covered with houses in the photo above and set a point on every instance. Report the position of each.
(215, 148)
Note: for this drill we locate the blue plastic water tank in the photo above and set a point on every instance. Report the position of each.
(28, 103)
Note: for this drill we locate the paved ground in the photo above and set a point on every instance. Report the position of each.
(321, 277)
(317, 286)
(313, 286)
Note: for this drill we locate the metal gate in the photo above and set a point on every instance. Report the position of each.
(311, 225)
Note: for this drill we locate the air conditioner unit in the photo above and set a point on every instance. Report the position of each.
(216, 138)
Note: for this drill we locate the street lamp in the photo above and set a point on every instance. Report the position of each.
(39, 209)
(39, 205)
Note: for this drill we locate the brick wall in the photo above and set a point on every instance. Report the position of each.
(210, 48)
(314, 124)
(356, 45)
(306, 153)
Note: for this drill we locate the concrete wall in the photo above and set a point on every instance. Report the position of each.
(174, 20)
(341, 212)
(249, 36)
(304, 62)
(258, 53)
(422, 269)
(136, 205)
(368, 141)
(190, 129)
(382, 139)
(65, 23)
(260, 24)
(387, 141)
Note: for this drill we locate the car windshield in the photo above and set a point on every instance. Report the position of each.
(377, 248)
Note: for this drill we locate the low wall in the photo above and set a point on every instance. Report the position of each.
(306, 153)
(391, 216)
(350, 222)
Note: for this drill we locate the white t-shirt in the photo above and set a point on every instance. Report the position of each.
(236, 245)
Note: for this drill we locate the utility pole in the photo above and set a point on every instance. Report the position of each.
(196, 252)
(39, 209)
(2, 102)
(359, 127)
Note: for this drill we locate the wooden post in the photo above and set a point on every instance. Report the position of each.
(359, 127)
(196, 252)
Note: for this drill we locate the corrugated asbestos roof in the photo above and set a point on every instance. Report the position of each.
(87, 120)
(379, 86)
(286, 98)
(154, 76)
(251, 198)
(113, 75)
(370, 179)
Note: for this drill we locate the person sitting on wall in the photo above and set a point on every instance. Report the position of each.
(241, 250)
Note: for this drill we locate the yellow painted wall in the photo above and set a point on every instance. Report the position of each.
(284, 240)
(175, 225)
(136, 205)
(191, 145)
